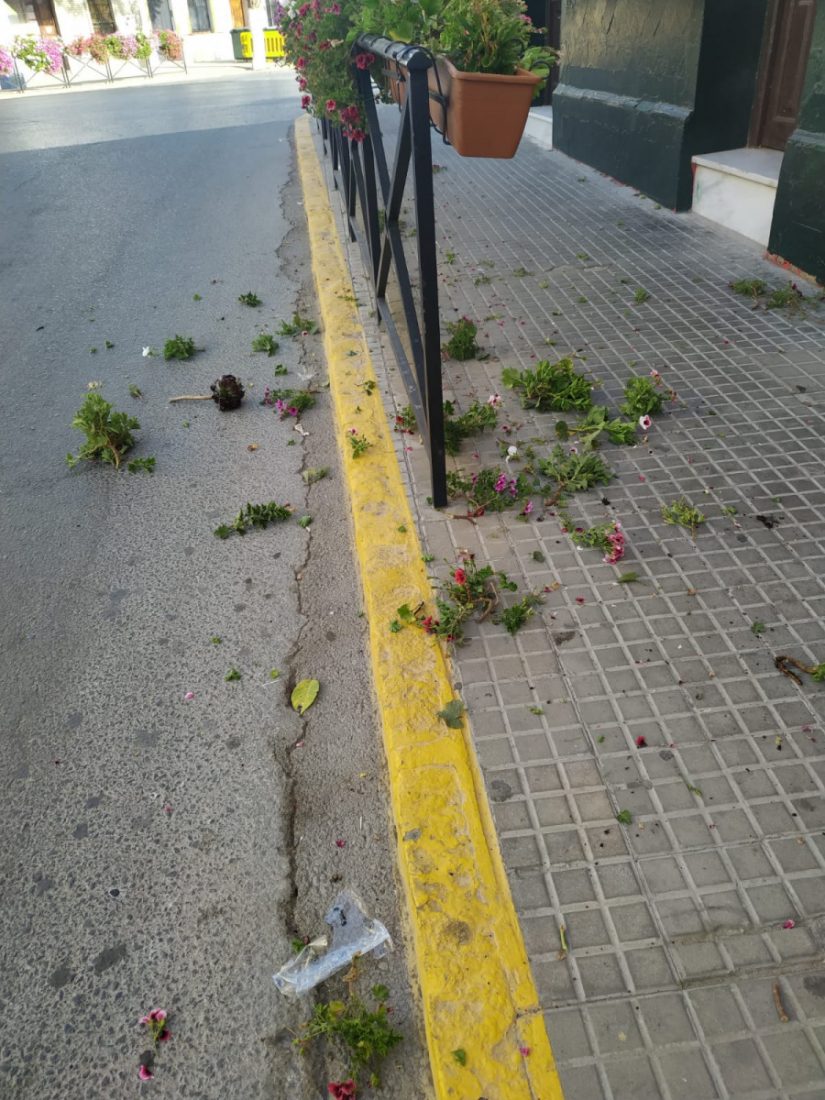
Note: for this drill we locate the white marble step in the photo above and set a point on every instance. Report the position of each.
(539, 128)
(737, 188)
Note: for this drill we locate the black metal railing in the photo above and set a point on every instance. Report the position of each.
(361, 172)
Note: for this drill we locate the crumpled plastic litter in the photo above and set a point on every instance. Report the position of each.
(353, 934)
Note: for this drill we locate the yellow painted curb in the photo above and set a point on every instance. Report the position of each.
(478, 994)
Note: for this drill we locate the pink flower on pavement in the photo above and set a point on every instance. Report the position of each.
(654, 374)
(189, 696)
(145, 1074)
(524, 1051)
(789, 924)
(494, 400)
(340, 843)
(527, 509)
(342, 1090)
(645, 423)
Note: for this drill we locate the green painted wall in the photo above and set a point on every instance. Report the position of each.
(646, 84)
(798, 230)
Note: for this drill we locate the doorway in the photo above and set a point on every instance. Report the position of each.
(160, 15)
(46, 19)
(787, 43)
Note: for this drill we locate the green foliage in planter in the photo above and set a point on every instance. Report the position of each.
(555, 386)
(485, 36)
(108, 434)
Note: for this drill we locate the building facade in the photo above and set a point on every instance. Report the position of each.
(715, 104)
(205, 25)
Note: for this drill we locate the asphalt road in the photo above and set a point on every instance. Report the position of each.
(159, 851)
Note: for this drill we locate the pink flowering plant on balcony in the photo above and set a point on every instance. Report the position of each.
(41, 55)
(170, 45)
(317, 36)
(6, 62)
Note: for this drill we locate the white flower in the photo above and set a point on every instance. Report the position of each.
(147, 352)
(494, 400)
(512, 452)
(93, 385)
(645, 423)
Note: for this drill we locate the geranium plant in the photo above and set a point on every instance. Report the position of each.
(170, 45)
(316, 38)
(41, 55)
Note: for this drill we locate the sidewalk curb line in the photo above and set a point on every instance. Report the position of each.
(477, 989)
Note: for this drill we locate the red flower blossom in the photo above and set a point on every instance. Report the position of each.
(364, 60)
(305, 101)
(641, 743)
(342, 1090)
(460, 577)
(330, 105)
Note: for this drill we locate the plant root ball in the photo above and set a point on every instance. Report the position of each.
(227, 391)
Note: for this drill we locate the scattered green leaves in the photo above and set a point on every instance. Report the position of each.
(593, 424)
(514, 618)
(314, 473)
(551, 386)
(254, 515)
(298, 326)
(624, 817)
(628, 578)
(641, 295)
(682, 513)
(452, 714)
(216, 639)
(749, 288)
(462, 343)
(135, 391)
(472, 422)
(146, 465)
(365, 1036)
(305, 521)
(179, 347)
(249, 299)
(232, 674)
(460, 1056)
(574, 473)
(359, 444)
(758, 628)
(304, 695)
(265, 341)
(641, 397)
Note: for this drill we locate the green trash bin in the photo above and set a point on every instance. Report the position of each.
(237, 49)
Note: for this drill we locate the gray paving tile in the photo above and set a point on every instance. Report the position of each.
(675, 921)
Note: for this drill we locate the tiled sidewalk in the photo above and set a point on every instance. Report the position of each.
(678, 948)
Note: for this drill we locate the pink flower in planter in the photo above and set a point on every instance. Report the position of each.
(330, 105)
(305, 101)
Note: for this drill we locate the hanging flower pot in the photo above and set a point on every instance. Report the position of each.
(485, 112)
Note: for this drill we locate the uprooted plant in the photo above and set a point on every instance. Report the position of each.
(471, 590)
(298, 326)
(289, 402)
(179, 347)
(488, 490)
(573, 472)
(108, 434)
(472, 422)
(608, 537)
(462, 343)
(816, 672)
(681, 513)
(254, 515)
(593, 424)
(364, 1035)
(551, 386)
(642, 396)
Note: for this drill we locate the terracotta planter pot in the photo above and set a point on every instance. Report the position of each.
(486, 113)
